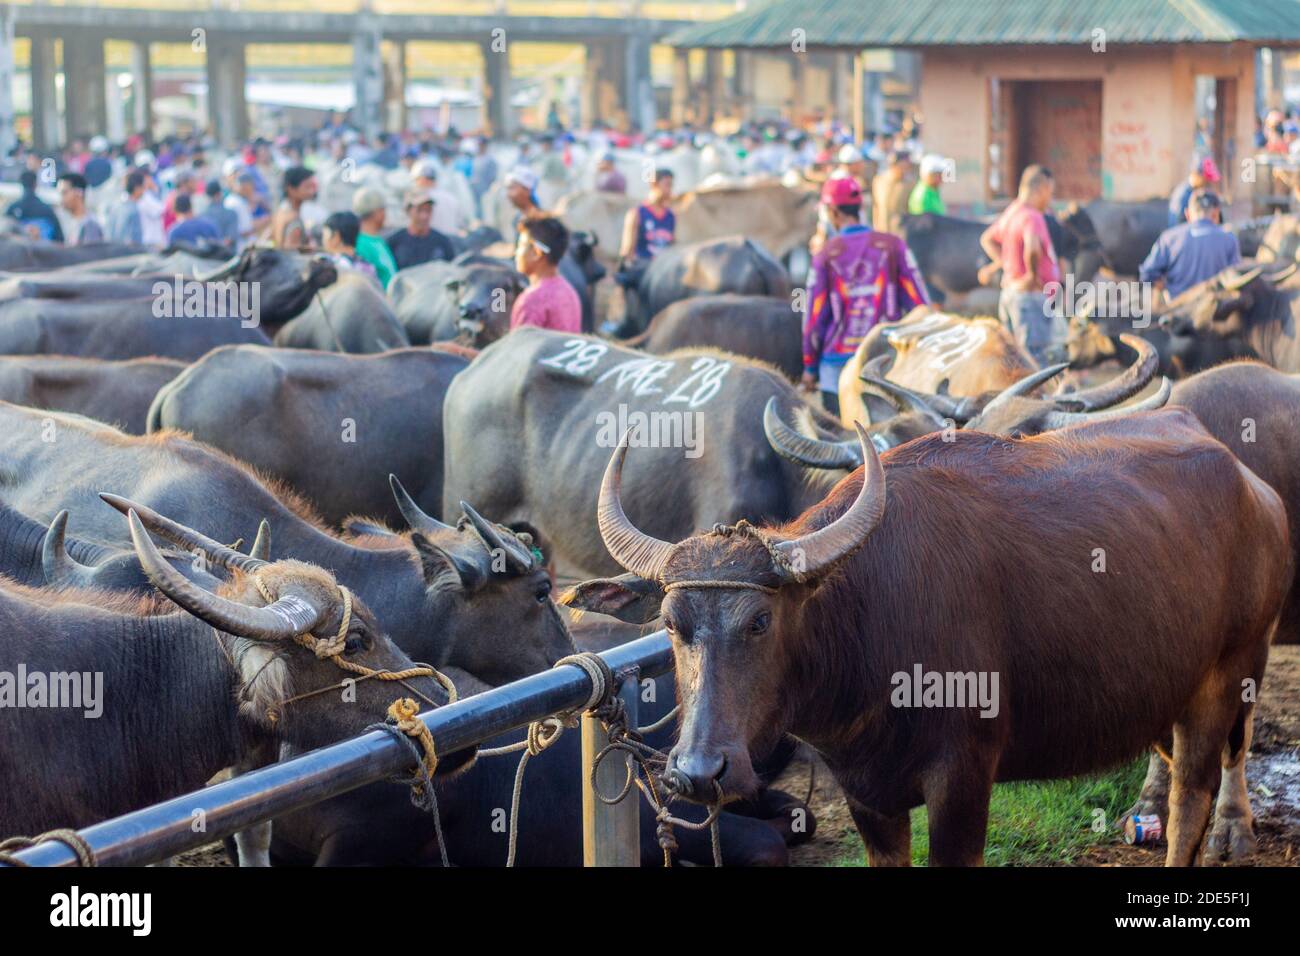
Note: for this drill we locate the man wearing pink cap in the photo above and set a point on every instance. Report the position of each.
(858, 278)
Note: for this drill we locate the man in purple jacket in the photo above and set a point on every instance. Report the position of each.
(858, 278)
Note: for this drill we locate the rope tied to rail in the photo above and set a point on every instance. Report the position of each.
(643, 761)
(406, 728)
(73, 840)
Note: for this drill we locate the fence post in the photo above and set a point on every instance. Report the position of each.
(611, 834)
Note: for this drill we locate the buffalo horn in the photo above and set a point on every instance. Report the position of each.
(637, 552)
(813, 452)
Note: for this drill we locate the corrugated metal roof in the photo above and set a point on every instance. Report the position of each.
(921, 23)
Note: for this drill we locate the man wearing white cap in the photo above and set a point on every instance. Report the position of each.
(369, 206)
(521, 190)
(925, 194)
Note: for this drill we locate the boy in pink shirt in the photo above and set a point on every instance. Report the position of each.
(549, 302)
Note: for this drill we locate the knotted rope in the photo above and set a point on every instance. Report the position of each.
(780, 560)
(69, 838)
(643, 761)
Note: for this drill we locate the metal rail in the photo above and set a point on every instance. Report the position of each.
(165, 829)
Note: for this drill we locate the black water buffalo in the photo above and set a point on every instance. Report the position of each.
(948, 251)
(365, 416)
(582, 270)
(1243, 309)
(711, 267)
(349, 315)
(118, 393)
(447, 595)
(22, 254)
(1126, 230)
(217, 674)
(756, 326)
(926, 661)
(118, 329)
(527, 425)
(468, 300)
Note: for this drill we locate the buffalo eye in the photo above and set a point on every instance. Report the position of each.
(355, 644)
(760, 622)
(543, 592)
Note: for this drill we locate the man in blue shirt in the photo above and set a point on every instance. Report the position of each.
(1193, 252)
(190, 228)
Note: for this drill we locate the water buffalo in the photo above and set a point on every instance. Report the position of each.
(935, 352)
(531, 418)
(445, 594)
(582, 270)
(756, 326)
(116, 329)
(349, 315)
(118, 393)
(22, 254)
(367, 416)
(236, 688)
(1126, 230)
(1244, 309)
(731, 264)
(948, 251)
(468, 300)
(1009, 657)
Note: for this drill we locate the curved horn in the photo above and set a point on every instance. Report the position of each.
(61, 569)
(517, 558)
(284, 619)
(411, 512)
(218, 271)
(1027, 384)
(1157, 399)
(904, 399)
(261, 549)
(1239, 282)
(815, 553)
(813, 452)
(639, 553)
(1120, 388)
(186, 537)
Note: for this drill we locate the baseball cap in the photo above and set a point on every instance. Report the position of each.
(98, 144)
(367, 200)
(1205, 199)
(427, 169)
(417, 197)
(523, 176)
(932, 163)
(842, 191)
(849, 154)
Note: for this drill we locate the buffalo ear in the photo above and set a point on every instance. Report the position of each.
(440, 563)
(628, 597)
(451, 285)
(360, 526)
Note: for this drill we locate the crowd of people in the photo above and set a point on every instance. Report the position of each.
(862, 271)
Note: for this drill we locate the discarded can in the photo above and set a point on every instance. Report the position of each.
(1143, 829)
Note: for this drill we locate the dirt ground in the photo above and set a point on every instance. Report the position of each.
(1273, 774)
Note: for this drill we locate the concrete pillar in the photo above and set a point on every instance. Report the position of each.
(681, 97)
(8, 134)
(227, 107)
(368, 79)
(83, 85)
(742, 87)
(497, 114)
(841, 67)
(638, 93)
(715, 86)
(798, 80)
(141, 89)
(589, 103)
(47, 120)
(395, 85)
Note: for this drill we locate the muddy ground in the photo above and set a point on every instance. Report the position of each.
(1273, 774)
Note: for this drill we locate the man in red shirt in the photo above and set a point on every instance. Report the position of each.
(549, 302)
(1019, 244)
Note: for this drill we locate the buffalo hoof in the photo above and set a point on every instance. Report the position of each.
(1231, 840)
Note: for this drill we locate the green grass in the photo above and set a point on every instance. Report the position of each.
(1035, 824)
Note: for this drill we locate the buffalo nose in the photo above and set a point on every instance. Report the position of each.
(470, 311)
(694, 774)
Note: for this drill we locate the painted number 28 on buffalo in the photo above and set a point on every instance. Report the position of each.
(643, 375)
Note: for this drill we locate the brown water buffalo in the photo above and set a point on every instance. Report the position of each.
(937, 353)
(927, 659)
(118, 393)
(756, 326)
(361, 416)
